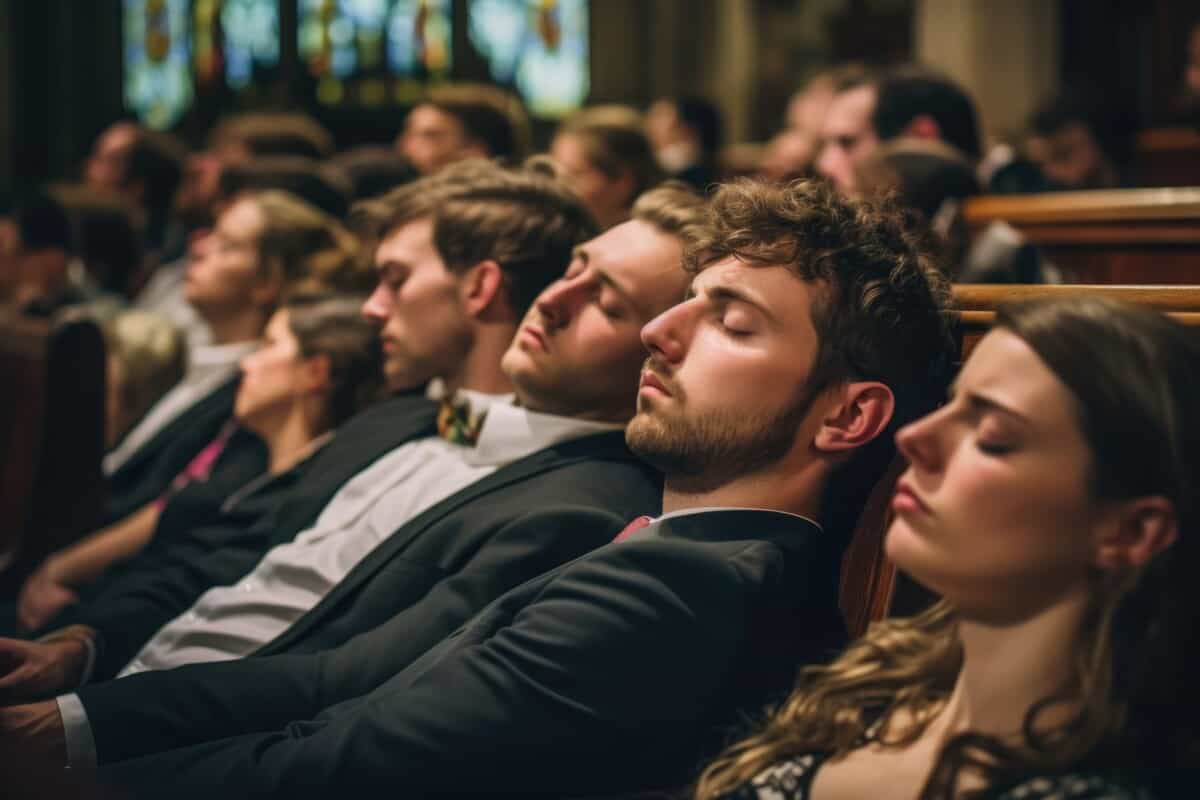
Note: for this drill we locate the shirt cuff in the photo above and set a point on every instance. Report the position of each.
(77, 731)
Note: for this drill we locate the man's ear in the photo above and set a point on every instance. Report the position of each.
(923, 126)
(1144, 527)
(482, 288)
(859, 413)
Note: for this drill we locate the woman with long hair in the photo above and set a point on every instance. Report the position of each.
(1052, 504)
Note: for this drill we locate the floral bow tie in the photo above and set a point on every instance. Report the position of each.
(457, 424)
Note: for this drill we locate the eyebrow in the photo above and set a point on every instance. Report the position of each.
(606, 278)
(734, 294)
(390, 264)
(981, 401)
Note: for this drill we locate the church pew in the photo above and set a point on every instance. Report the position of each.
(1118, 236)
(1169, 157)
(871, 587)
(51, 438)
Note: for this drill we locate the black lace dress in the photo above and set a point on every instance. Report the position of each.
(792, 780)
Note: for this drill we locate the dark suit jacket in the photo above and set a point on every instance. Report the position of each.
(421, 583)
(610, 673)
(147, 595)
(152, 467)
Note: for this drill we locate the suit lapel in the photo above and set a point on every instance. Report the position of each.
(596, 447)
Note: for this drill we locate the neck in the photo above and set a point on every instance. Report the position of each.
(481, 372)
(1010, 666)
(287, 439)
(780, 487)
(242, 326)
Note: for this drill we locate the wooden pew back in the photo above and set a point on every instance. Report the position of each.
(871, 586)
(1118, 236)
(51, 438)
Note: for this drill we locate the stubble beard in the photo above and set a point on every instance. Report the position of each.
(704, 452)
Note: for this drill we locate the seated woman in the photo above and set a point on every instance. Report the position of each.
(1052, 504)
(320, 363)
(607, 160)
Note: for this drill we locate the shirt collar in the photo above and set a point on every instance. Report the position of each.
(706, 509)
(208, 358)
(510, 432)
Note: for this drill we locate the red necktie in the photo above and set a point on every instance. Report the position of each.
(637, 524)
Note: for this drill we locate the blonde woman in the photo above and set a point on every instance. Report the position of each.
(1052, 503)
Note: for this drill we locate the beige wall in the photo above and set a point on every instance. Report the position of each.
(1004, 51)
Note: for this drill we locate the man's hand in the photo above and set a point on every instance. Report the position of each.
(32, 736)
(32, 670)
(42, 597)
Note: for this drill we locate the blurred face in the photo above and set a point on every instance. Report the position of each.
(578, 351)
(432, 139)
(1072, 158)
(609, 199)
(105, 168)
(425, 330)
(847, 136)
(994, 511)
(1192, 75)
(223, 265)
(273, 376)
(725, 390)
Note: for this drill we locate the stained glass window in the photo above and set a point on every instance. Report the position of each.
(251, 32)
(158, 78)
(540, 47)
(357, 48)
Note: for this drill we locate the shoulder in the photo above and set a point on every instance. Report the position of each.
(785, 780)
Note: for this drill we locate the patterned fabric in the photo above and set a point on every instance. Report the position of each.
(792, 780)
(457, 424)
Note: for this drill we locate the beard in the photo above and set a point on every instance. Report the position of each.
(703, 452)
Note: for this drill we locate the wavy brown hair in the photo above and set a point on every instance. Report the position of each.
(1135, 380)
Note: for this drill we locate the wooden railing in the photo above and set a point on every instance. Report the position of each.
(1127, 236)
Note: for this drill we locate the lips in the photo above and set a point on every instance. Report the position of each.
(907, 500)
(652, 381)
(535, 336)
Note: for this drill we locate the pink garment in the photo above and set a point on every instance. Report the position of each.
(199, 468)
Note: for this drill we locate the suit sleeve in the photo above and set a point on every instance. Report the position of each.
(155, 591)
(156, 711)
(620, 655)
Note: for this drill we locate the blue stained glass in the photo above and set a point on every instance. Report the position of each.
(251, 31)
(157, 75)
(538, 46)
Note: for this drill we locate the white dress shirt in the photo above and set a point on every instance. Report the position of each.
(234, 621)
(208, 368)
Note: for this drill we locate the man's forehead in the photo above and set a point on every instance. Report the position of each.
(850, 110)
(415, 234)
(776, 288)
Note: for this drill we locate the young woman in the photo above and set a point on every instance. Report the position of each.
(1052, 503)
(319, 364)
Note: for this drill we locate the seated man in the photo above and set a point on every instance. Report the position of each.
(867, 110)
(461, 121)
(544, 485)
(768, 397)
